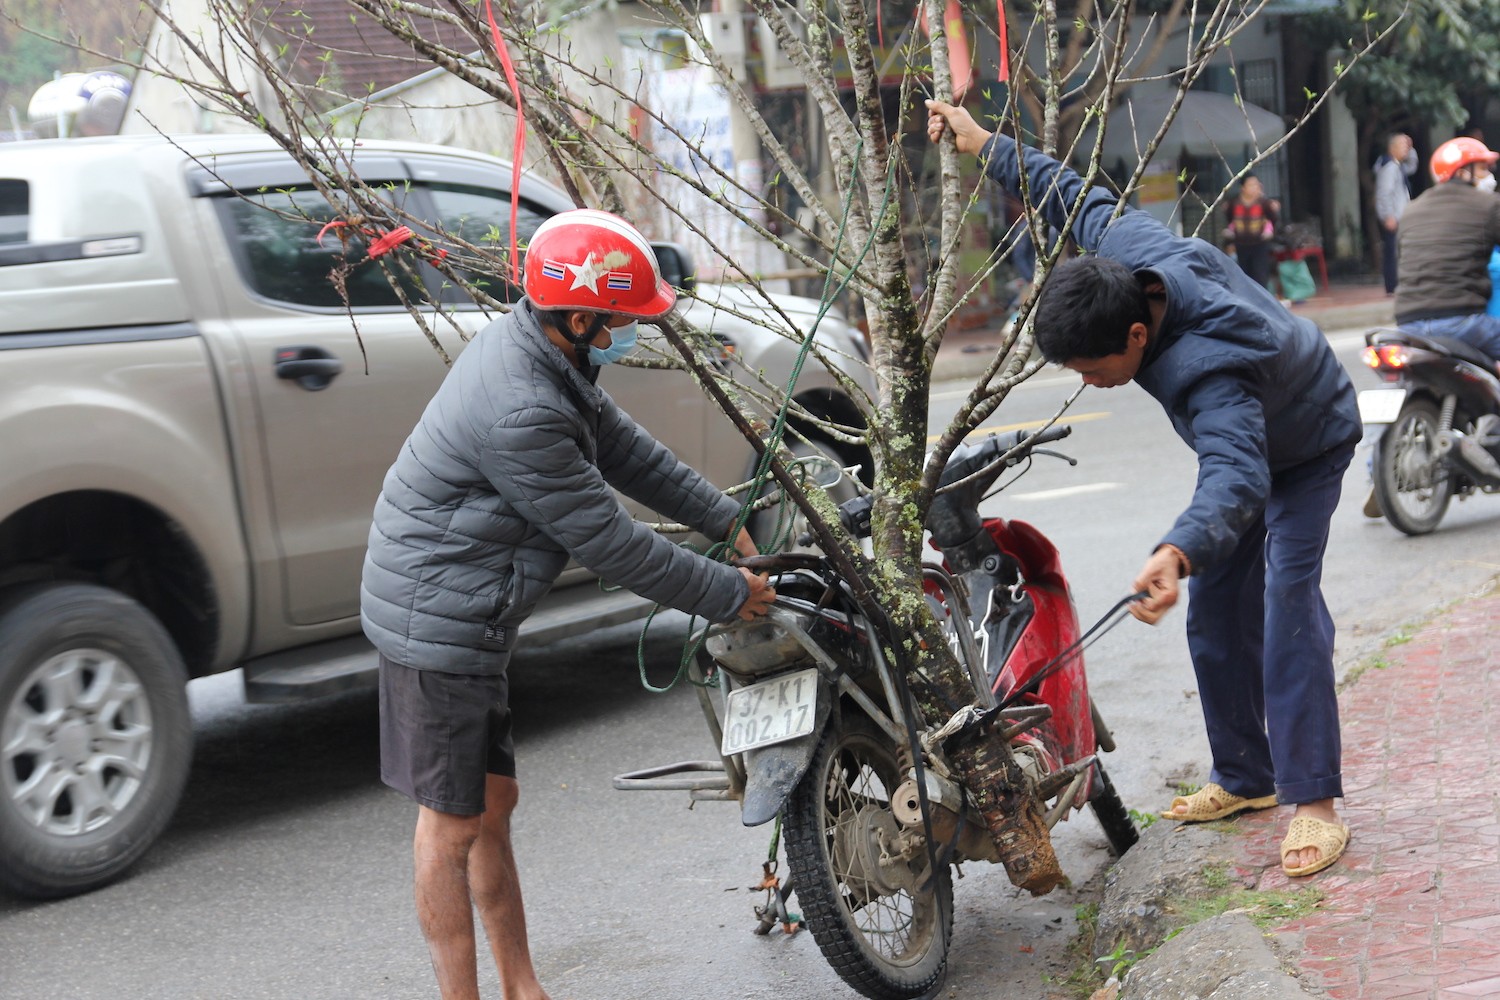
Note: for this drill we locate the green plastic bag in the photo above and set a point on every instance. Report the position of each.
(1296, 280)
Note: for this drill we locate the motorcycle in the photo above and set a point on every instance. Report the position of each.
(816, 726)
(1437, 418)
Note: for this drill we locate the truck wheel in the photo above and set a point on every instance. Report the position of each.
(95, 737)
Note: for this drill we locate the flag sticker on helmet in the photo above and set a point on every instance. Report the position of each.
(618, 280)
(553, 269)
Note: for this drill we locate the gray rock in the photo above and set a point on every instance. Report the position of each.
(1223, 958)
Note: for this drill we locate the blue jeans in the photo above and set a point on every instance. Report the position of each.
(1261, 639)
(1479, 331)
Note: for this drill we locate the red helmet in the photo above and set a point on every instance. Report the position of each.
(595, 262)
(1454, 154)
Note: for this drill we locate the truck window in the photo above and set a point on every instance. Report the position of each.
(480, 217)
(15, 211)
(275, 239)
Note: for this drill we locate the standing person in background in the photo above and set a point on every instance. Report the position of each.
(1252, 224)
(1396, 164)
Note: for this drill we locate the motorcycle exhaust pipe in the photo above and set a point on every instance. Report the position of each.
(944, 800)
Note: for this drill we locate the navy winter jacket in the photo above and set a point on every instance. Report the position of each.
(1252, 389)
(507, 474)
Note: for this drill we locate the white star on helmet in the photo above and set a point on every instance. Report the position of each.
(587, 273)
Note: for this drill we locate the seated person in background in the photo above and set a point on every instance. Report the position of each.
(1252, 224)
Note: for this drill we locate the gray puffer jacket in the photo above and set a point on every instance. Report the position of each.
(508, 473)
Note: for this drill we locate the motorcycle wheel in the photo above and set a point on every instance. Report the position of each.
(1411, 482)
(1109, 810)
(884, 933)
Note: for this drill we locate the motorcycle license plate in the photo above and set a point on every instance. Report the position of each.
(1380, 406)
(774, 711)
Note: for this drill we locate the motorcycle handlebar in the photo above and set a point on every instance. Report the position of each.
(965, 461)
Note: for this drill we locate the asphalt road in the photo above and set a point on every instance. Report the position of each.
(285, 875)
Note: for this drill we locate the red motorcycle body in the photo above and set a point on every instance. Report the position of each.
(1039, 633)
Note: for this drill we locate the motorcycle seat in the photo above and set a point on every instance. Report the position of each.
(1451, 346)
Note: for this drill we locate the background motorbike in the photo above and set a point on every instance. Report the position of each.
(1435, 418)
(815, 725)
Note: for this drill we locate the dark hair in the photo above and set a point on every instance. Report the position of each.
(1086, 309)
(557, 319)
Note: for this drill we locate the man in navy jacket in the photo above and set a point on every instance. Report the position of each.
(1259, 396)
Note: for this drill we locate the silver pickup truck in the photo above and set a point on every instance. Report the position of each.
(193, 432)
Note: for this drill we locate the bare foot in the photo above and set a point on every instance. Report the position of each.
(1323, 810)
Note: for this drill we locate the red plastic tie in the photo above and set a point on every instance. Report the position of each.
(520, 143)
(1004, 43)
(390, 241)
(335, 224)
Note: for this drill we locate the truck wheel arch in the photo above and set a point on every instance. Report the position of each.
(122, 543)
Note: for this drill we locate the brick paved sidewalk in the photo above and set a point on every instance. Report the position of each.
(1413, 908)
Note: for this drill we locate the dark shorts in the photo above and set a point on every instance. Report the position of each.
(440, 734)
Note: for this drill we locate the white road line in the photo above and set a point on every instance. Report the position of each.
(1066, 491)
(1035, 382)
(1338, 340)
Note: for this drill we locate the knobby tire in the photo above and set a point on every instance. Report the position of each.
(856, 766)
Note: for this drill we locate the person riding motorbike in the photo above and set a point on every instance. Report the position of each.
(1443, 287)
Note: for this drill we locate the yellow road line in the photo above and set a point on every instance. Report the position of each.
(1075, 418)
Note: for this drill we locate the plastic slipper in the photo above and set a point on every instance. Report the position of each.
(1329, 839)
(1212, 802)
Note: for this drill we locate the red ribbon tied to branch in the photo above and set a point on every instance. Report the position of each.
(959, 60)
(384, 243)
(520, 143)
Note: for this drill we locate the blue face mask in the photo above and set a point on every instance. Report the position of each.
(621, 343)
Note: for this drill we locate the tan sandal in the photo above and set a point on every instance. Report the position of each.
(1329, 839)
(1212, 802)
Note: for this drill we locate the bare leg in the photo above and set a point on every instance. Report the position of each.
(497, 891)
(441, 852)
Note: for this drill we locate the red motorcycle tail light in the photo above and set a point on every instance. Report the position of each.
(1386, 356)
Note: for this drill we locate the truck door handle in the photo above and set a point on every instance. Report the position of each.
(312, 367)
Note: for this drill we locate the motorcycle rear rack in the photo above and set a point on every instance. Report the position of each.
(703, 780)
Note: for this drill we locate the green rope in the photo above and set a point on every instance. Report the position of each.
(826, 300)
(785, 519)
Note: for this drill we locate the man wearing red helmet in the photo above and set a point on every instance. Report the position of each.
(512, 470)
(1446, 237)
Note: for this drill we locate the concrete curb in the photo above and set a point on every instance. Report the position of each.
(1222, 958)
(1225, 957)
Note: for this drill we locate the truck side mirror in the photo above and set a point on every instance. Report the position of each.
(676, 266)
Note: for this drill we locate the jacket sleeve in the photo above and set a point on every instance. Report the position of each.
(1234, 477)
(644, 469)
(1053, 188)
(533, 458)
(1387, 176)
